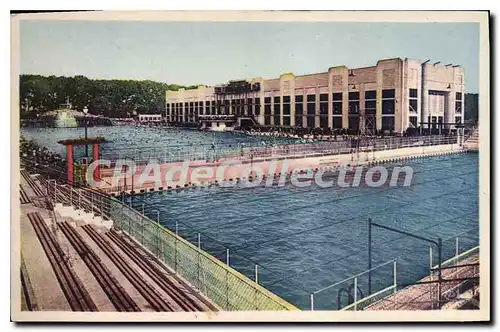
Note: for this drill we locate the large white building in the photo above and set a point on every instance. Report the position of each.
(393, 94)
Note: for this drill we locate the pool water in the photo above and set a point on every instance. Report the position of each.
(305, 239)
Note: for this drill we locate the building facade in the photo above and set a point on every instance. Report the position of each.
(395, 94)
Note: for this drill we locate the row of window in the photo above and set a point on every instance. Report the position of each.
(238, 105)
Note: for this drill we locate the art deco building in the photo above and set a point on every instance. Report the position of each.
(394, 94)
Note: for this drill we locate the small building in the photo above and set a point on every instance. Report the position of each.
(395, 94)
(150, 117)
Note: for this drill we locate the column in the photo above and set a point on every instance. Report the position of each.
(69, 162)
(95, 156)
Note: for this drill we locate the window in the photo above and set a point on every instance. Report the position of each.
(256, 102)
(286, 121)
(276, 100)
(354, 123)
(323, 107)
(207, 107)
(371, 102)
(458, 119)
(337, 96)
(200, 107)
(286, 109)
(311, 108)
(434, 121)
(298, 120)
(337, 103)
(337, 122)
(248, 107)
(267, 120)
(299, 108)
(267, 100)
(413, 101)
(323, 121)
(337, 107)
(311, 98)
(413, 105)
(370, 107)
(353, 95)
(323, 110)
(388, 123)
(458, 96)
(354, 107)
(391, 93)
(310, 122)
(372, 94)
(299, 99)
(388, 106)
(458, 107)
(277, 110)
(277, 120)
(413, 122)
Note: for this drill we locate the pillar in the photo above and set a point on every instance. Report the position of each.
(69, 162)
(95, 156)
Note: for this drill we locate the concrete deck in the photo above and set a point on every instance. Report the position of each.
(198, 173)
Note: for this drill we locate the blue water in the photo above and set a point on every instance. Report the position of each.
(126, 140)
(304, 239)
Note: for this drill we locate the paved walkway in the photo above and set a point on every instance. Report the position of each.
(424, 296)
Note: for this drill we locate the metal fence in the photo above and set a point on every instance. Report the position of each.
(354, 286)
(225, 286)
(351, 293)
(257, 152)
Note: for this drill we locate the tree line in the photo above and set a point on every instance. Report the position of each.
(110, 98)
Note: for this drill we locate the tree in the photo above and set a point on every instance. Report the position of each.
(110, 98)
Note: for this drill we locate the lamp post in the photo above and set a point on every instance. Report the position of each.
(85, 111)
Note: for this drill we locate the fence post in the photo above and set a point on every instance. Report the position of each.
(395, 275)
(158, 226)
(430, 260)
(355, 294)
(199, 265)
(312, 302)
(395, 283)
(142, 230)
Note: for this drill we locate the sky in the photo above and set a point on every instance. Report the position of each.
(189, 53)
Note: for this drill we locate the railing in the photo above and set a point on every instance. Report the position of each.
(257, 152)
(221, 283)
(353, 287)
(225, 286)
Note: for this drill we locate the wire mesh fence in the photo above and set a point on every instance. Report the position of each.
(228, 288)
